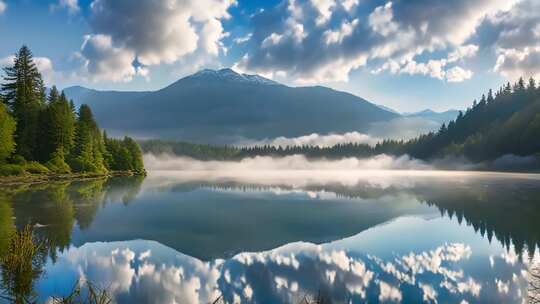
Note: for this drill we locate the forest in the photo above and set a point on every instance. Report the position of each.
(41, 132)
(503, 122)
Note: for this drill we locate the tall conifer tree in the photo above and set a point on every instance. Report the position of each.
(23, 91)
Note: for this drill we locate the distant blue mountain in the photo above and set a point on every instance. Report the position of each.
(223, 106)
(439, 117)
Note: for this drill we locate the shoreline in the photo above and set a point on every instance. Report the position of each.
(48, 178)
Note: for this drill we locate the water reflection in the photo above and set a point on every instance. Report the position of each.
(194, 238)
(148, 272)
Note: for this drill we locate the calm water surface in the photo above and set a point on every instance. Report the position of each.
(277, 237)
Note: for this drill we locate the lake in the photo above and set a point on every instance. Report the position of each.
(283, 237)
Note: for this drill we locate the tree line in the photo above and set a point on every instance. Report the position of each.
(503, 122)
(43, 132)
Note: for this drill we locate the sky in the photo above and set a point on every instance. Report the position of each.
(405, 54)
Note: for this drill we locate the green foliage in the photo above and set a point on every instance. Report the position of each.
(87, 154)
(58, 126)
(17, 159)
(34, 167)
(11, 170)
(57, 163)
(135, 155)
(124, 155)
(21, 265)
(197, 151)
(93, 295)
(7, 130)
(47, 129)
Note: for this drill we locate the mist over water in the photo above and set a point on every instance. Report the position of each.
(293, 162)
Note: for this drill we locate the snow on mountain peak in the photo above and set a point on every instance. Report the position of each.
(230, 75)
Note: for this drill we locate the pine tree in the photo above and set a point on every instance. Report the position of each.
(490, 96)
(7, 130)
(59, 130)
(135, 155)
(24, 91)
(87, 154)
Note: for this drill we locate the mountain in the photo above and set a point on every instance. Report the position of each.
(387, 109)
(439, 117)
(223, 106)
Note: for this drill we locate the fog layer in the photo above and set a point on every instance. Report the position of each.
(294, 162)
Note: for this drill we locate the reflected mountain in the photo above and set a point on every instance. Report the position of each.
(191, 237)
(148, 272)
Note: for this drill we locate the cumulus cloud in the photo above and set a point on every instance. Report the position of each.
(3, 7)
(434, 68)
(458, 74)
(103, 61)
(127, 35)
(515, 38)
(343, 37)
(389, 293)
(515, 63)
(71, 5)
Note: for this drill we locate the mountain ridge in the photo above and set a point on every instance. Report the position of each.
(223, 106)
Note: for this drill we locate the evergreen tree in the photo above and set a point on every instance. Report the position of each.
(490, 98)
(24, 91)
(87, 152)
(7, 130)
(59, 131)
(135, 154)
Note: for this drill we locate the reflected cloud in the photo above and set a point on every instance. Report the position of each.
(147, 272)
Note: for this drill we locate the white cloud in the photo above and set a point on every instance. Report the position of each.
(395, 32)
(71, 5)
(324, 7)
(45, 67)
(502, 287)
(103, 61)
(515, 40)
(389, 293)
(458, 74)
(433, 68)
(381, 21)
(429, 293)
(338, 36)
(3, 7)
(273, 39)
(464, 51)
(515, 63)
(164, 32)
(244, 39)
(348, 5)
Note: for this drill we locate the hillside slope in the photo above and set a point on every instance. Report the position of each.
(223, 106)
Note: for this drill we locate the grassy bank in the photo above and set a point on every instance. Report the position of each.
(51, 177)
